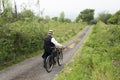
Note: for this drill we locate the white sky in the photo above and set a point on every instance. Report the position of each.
(71, 8)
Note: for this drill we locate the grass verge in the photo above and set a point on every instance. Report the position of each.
(94, 61)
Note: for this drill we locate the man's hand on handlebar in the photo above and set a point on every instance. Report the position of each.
(62, 47)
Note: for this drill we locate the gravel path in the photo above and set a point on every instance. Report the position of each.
(32, 69)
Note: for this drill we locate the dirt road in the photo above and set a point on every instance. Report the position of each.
(32, 69)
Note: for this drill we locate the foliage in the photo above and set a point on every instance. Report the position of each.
(47, 18)
(115, 19)
(104, 17)
(20, 39)
(67, 20)
(7, 15)
(86, 15)
(55, 18)
(78, 19)
(26, 15)
(99, 58)
(62, 16)
(93, 21)
(6, 4)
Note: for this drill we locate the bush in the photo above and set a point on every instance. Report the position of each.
(104, 17)
(16, 40)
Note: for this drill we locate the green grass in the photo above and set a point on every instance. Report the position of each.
(94, 61)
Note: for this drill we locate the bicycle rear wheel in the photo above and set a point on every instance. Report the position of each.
(49, 64)
(60, 59)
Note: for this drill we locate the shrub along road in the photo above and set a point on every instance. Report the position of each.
(32, 69)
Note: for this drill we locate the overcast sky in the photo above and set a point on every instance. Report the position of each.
(71, 8)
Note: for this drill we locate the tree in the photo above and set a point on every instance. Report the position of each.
(26, 15)
(47, 19)
(104, 17)
(1, 6)
(55, 18)
(115, 19)
(15, 10)
(86, 15)
(62, 16)
(77, 19)
(7, 14)
(67, 20)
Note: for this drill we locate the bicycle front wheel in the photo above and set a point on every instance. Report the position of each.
(49, 64)
(60, 59)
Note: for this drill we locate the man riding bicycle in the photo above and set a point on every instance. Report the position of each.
(49, 43)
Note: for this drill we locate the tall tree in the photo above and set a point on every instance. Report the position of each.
(26, 15)
(55, 18)
(86, 15)
(15, 9)
(7, 14)
(62, 16)
(1, 6)
(104, 16)
(115, 19)
(67, 20)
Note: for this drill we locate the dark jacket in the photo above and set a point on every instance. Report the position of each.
(48, 46)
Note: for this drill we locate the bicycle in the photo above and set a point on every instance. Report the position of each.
(55, 57)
